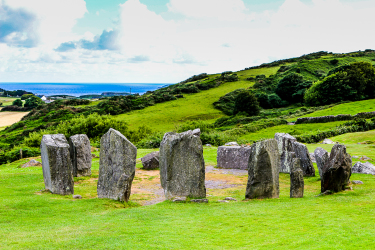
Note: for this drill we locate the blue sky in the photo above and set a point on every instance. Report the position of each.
(165, 41)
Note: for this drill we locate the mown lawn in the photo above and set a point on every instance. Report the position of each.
(33, 219)
(7, 101)
(166, 116)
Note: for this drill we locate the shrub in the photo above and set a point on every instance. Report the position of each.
(26, 96)
(17, 102)
(247, 102)
(289, 85)
(33, 102)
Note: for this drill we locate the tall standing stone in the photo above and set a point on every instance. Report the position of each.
(321, 157)
(337, 170)
(80, 154)
(264, 164)
(116, 166)
(306, 163)
(297, 183)
(57, 165)
(181, 163)
(233, 157)
(286, 151)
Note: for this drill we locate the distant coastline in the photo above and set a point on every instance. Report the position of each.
(79, 89)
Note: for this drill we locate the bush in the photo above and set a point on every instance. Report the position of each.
(246, 101)
(14, 154)
(33, 102)
(26, 96)
(17, 102)
(289, 85)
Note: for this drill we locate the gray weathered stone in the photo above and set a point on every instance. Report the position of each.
(80, 154)
(116, 166)
(230, 199)
(150, 161)
(264, 164)
(57, 165)
(233, 157)
(303, 153)
(337, 170)
(77, 196)
(312, 157)
(321, 157)
(199, 200)
(179, 199)
(328, 141)
(181, 163)
(363, 168)
(357, 182)
(233, 143)
(32, 163)
(285, 147)
(297, 183)
(364, 158)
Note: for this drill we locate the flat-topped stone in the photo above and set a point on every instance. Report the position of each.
(264, 164)
(181, 163)
(363, 168)
(116, 166)
(80, 154)
(233, 157)
(57, 165)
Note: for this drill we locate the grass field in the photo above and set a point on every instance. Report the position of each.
(33, 219)
(165, 116)
(351, 108)
(7, 100)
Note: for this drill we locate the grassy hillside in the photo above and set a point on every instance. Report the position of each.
(199, 106)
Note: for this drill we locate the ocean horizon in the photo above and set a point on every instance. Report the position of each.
(78, 89)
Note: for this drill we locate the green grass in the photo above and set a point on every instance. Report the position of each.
(7, 101)
(166, 116)
(351, 108)
(298, 129)
(31, 219)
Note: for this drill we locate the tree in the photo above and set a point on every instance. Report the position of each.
(288, 86)
(33, 102)
(26, 96)
(17, 102)
(246, 102)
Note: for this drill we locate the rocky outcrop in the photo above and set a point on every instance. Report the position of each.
(57, 165)
(116, 166)
(286, 151)
(302, 152)
(337, 170)
(328, 141)
(32, 163)
(297, 183)
(181, 163)
(321, 157)
(264, 164)
(363, 168)
(80, 154)
(233, 157)
(150, 161)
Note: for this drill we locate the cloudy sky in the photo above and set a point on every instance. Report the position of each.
(166, 41)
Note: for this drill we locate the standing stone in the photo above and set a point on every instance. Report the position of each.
(57, 165)
(80, 154)
(150, 161)
(297, 183)
(321, 157)
(116, 166)
(233, 157)
(337, 170)
(264, 164)
(182, 169)
(286, 151)
(303, 153)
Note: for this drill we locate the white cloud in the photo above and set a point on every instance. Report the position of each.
(192, 37)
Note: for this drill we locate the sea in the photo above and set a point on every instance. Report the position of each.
(78, 89)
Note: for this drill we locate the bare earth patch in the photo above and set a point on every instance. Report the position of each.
(8, 118)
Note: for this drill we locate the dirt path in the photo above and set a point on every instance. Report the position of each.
(146, 188)
(8, 118)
